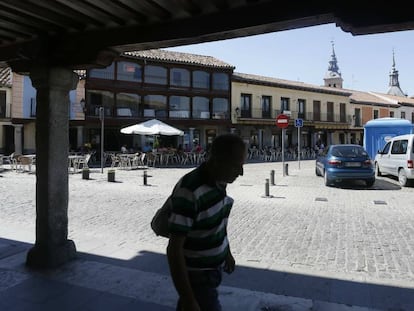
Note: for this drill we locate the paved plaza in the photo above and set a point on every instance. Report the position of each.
(299, 246)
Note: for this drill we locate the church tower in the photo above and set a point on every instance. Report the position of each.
(333, 76)
(394, 85)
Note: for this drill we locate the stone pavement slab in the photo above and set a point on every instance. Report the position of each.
(305, 246)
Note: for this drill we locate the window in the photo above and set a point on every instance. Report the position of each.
(301, 108)
(127, 71)
(155, 75)
(201, 79)
(245, 105)
(330, 111)
(342, 112)
(391, 114)
(284, 104)
(179, 77)
(220, 108)
(201, 109)
(179, 107)
(96, 99)
(399, 147)
(316, 110)
(104, 73)
(155, 106)
(376, 114)
(127, 105)
(220, 81)
(412, 119)
(266, 107)
(386, 148)
(402, 114)
(357, 116)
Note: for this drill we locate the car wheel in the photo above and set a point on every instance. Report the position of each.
(377, 169)
(317, 173)
(369, 182)
(326, 179)
(402, 177)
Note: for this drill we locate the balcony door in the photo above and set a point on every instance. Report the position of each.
(245, 105)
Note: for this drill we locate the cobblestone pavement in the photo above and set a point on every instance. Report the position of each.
(301, 227)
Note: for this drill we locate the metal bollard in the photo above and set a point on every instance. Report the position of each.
(267, 187)
(286, 169)
(272, 177)
(145, 178)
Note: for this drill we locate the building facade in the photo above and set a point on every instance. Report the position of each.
(191, 92)
(202, 96)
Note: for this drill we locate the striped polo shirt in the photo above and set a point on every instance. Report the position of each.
(200, 210)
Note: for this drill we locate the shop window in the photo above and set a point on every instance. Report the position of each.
(155, 106)
(155, 75)
(221, 81)
(127, 71)
(201, 109)
(201, 79)
(179, 107)
(96, 99)
(127, 105)
(107, 73)
(220, 108)
(179, 77)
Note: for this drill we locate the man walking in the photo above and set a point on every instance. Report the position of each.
(198, 248)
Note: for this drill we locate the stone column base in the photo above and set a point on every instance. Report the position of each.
(50, 257)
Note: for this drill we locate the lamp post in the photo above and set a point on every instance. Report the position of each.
(102, 118)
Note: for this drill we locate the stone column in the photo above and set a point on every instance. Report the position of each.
(79, 140)
(260, 138)
(18, 148)
(52, 247)
(191, 137)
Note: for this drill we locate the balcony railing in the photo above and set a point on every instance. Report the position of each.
(308, 116)
(111, 112)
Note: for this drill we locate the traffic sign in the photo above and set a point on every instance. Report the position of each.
(298, 122)
(282, 121)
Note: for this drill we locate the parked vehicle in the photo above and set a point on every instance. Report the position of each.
(396, 159)
(345, 162)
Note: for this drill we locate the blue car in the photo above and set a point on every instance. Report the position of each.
(345, 162)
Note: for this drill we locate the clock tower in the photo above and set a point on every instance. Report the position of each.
(333, 76)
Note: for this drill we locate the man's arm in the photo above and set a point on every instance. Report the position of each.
(178, 270)
(229, 263)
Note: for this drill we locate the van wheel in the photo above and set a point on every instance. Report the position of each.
(402, 177)
(377, 169)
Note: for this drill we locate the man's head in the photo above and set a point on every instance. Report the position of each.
(226, 158)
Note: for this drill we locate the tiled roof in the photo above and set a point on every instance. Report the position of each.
(237, 76)
(5, 76)
(376, 98)
(359, 97)
(402, 100)
(179, 57)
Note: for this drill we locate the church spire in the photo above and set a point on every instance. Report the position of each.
(394, 85)
(333, 76)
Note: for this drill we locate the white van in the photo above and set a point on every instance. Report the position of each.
(396, 158)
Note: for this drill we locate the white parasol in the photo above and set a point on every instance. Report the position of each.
(152, 127)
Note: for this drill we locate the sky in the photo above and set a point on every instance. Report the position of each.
(365, 61)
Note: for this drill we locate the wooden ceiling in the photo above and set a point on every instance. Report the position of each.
(84, 33)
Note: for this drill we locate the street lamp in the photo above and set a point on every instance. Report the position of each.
(102, 118)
